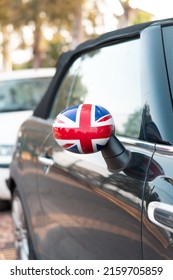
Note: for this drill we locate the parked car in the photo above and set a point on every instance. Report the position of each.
(20, 92)
(92, 172)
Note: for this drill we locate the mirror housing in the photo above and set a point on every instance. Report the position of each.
(88, 128)
(115, 155)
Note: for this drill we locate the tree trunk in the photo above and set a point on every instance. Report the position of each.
(6, 61)
(37, 52)
(124, 20)
(77, 33)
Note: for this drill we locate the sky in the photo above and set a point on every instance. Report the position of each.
(160, 8)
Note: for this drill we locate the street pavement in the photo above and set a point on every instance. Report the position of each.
(7, 251)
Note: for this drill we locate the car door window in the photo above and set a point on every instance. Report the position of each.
(109, 77)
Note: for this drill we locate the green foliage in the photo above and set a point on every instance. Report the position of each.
(54, 49)
(131, 128)
(60, 15)
(142, 17)
(57, 14)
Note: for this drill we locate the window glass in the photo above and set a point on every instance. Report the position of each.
(22, 94)
(168, 37)
(108, 77)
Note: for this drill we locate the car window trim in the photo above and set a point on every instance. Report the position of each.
(137, 143)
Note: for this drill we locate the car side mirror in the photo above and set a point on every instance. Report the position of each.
(88, 128)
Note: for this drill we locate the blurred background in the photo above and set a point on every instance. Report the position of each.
(34, 32)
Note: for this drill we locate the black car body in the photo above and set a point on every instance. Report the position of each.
(71, 206)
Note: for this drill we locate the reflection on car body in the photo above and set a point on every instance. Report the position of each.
(115, 203)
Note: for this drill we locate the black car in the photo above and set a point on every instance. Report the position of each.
(116, 203)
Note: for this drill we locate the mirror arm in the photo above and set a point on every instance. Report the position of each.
(115, 155)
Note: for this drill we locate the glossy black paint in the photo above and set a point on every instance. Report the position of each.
(75, 207)
(157, 241)
(91, 209)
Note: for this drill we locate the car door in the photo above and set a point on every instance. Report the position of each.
(158, 207)
(158, 195)
(89, 212)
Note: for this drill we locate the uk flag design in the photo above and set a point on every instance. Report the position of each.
(83, 128)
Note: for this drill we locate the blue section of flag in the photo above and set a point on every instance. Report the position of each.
(71, 113)
(99, 147)
(100, 112)
(74, 149)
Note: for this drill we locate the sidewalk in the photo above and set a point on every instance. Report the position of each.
(7, 251)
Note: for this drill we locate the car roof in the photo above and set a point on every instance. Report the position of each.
(27, 73)
(68, 57)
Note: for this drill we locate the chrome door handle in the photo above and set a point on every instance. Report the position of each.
(161, 214)
(45, 160)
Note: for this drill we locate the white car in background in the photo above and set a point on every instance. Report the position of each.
(20, 92)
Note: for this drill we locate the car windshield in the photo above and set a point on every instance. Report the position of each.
(23, 94)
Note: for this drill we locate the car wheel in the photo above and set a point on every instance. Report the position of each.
(21, 235)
